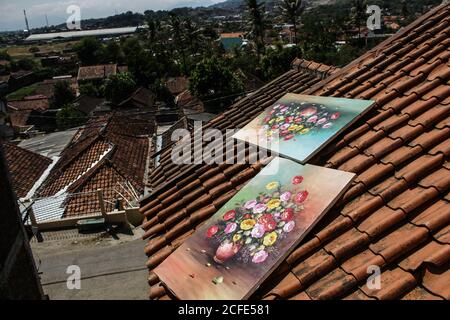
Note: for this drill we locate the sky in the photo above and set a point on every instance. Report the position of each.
(11, 11)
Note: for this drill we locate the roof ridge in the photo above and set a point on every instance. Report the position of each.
(314, 67)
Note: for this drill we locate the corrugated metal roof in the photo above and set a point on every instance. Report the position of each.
(81, 33)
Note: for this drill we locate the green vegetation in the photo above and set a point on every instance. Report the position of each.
(68, 117)
(214, 82)
(62, 94)
(22, 93)
(119, 86)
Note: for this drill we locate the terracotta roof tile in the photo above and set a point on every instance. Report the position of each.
(395, 213)
(25, 168)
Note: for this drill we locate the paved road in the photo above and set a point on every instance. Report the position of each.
(107, 271)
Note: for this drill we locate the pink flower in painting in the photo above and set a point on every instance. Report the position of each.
(297, 180)
(301, 196)
(250, 204)
(212, 231)
(308, 112)
(258, 231)
(321, 121)
(266, 119)
(260, 256)
(288, 227)
(289, 119)
(285, 126)
(229, 215)
(285, 196)
(335, 116)
(277, 216)
(298, 120)
(231, 227)
(328, 125)
(313, 119)
(259, 208)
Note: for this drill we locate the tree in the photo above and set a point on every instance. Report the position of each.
(178, 38)
(68, 117)
(213, 82)
(89, 51)
(278, 61)
(292, 9)
(255, 12)
(358, 14)
(119, 86)
(112, 53)
(62, 94)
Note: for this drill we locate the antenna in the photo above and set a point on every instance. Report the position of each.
(46, 19)
(26, 20)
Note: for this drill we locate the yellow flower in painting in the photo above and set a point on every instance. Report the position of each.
(237, 237)
(274, 203)
(292, 128)
(305, 131)
(269, 133)
(280, 119)
(270, 239)
(272, 185)
(248, 224)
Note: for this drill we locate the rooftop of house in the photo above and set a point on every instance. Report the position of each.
(189, 103)
(25, 167)
(396, 215)
(110, 150)
(177, 85)
(96, 72)
(37, 102)
(142, 98)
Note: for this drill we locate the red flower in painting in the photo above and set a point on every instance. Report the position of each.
(229, 215)
(247, 216)
(301, 196)
(297, 180)
(268, 222)
(288, 137)
(212, 231)
(287, 214)
(335, 116)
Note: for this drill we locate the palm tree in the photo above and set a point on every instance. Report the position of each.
(178, 38)
(292, 9)
(358, 14)
(194, 35)
(256, 12)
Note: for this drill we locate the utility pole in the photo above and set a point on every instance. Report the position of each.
(46, 20)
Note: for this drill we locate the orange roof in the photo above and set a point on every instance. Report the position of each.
(396, 215)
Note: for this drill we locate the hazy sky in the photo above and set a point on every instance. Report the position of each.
(11, 11)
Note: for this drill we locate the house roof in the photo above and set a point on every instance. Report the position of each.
(189, 103)
(109, 150)
(87, 104)
(396, 215)
(26, 167)
(142, 98)
(176, 85)
(96, 72)
(30, 103)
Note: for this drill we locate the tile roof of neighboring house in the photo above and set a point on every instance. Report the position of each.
(189, 103)
(30, 103)
(176, 85)
(396, 215)
(109, 150)
(46, 87)
(142, 98)
(19, 118)
(232, 35)
(87, 104)
(96, 72)
(26, 167)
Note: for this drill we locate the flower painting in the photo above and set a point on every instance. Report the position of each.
(298, 126)
(253, 232)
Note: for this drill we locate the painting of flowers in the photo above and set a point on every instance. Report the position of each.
(298, 126)
(238, 247)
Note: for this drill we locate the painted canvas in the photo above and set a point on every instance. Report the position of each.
(298, 126)
(236, 249)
